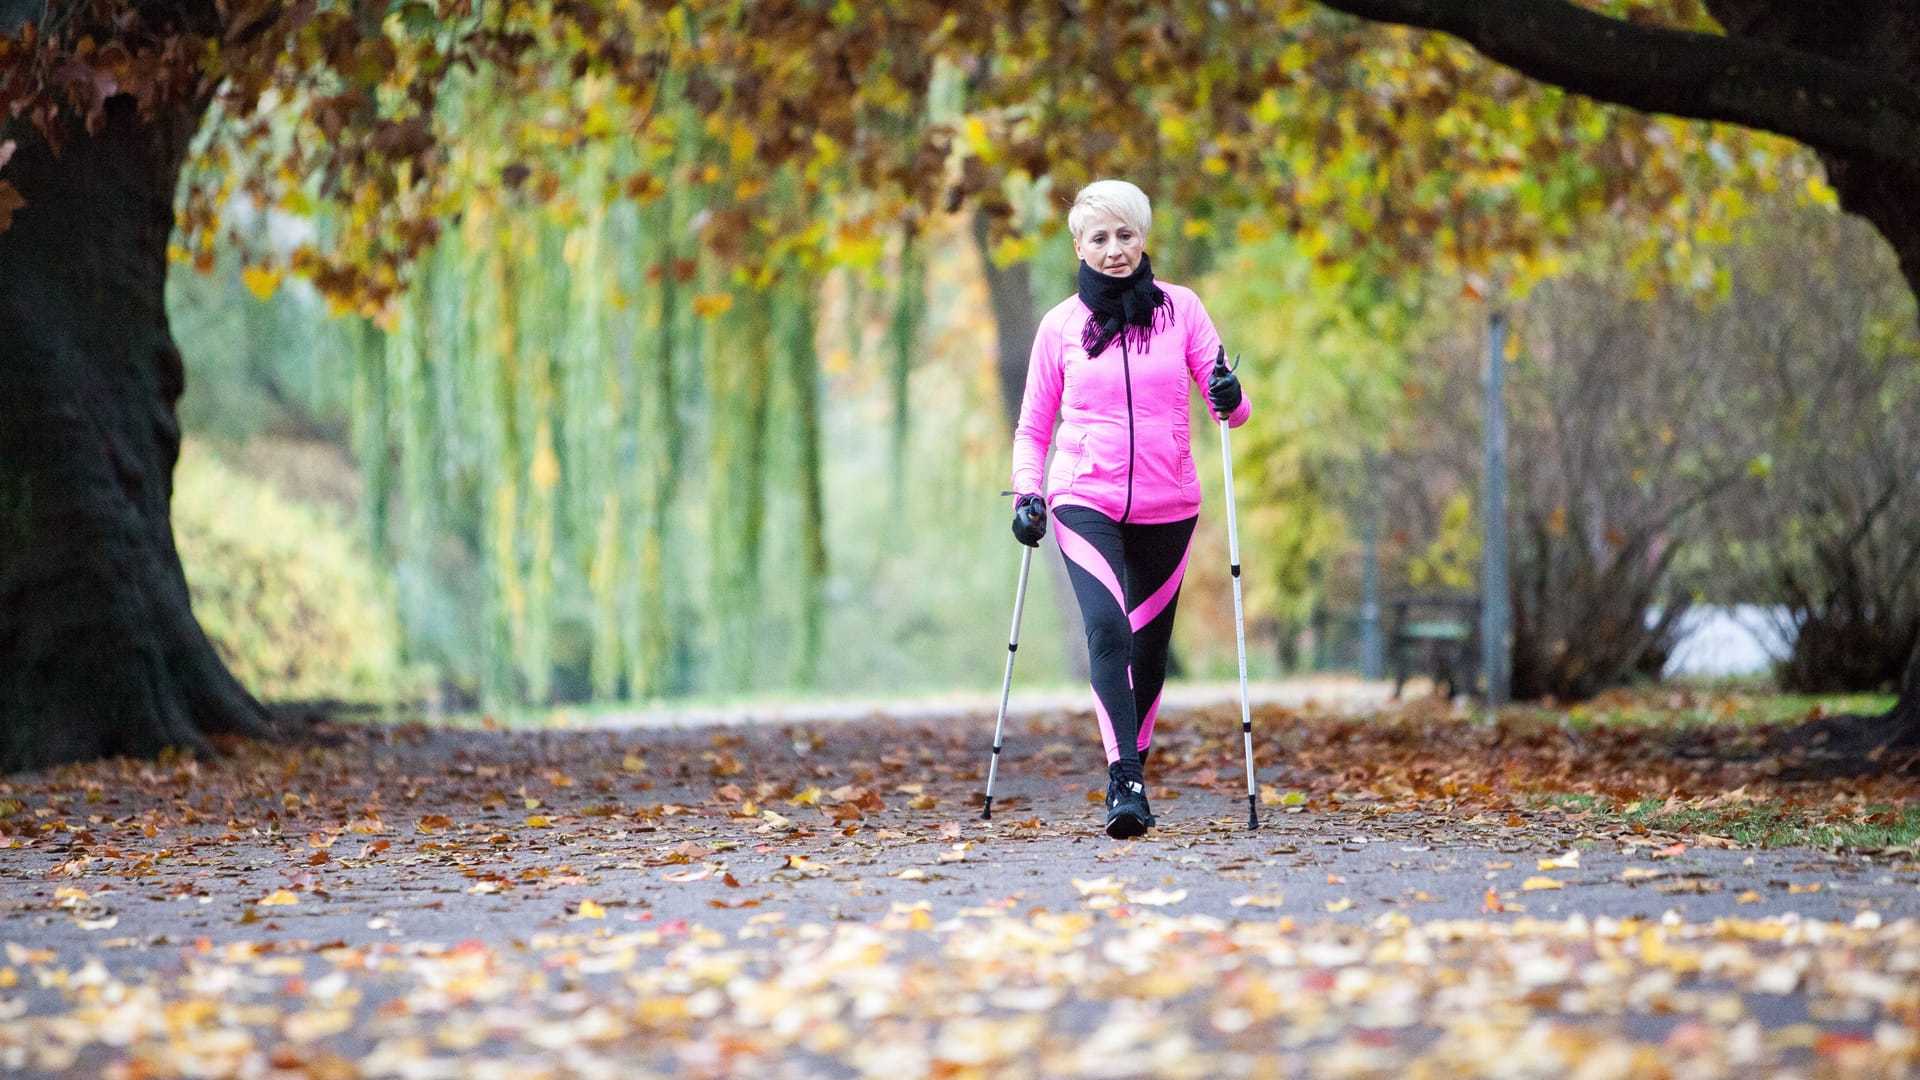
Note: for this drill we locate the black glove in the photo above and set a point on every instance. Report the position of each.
(1030, 519)
(1223, 387)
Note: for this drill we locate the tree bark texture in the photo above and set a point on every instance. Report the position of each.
(100, 653)
(1843, 79)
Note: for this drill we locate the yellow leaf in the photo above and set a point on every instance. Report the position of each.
(1815, 887)
(591, 910)
(261, 281)
(20, 954)
(538, 821)
(1535, 883)
(912, 875)
(711, 304)
(546, 468)
(1748, 897)
(633, 763)
(277, 898)
(1569, 861)
(740, 147)
(1337, 906)
(809, 797)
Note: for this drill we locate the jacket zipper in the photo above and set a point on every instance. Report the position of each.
(1126, 376)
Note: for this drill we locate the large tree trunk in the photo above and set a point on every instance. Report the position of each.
(1010, 291)
(100, 653)
(1883, 37)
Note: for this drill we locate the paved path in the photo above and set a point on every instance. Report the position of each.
(1328, 692)
(785, 900)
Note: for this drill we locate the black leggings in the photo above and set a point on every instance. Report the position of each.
(1127, 578)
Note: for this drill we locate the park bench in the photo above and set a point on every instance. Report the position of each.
(1437, 634)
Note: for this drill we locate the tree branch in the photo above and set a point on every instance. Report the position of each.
(1828, 104)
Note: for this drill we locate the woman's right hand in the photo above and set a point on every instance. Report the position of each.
(1029, 519)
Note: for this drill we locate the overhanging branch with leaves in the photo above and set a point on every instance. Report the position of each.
(1834, 106)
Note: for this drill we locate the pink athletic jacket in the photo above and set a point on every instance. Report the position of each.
(1124, 441)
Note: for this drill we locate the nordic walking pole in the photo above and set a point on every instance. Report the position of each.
(1006, 684)
(1239, 616)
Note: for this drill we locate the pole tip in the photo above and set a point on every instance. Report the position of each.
(986, 812)
(1253, 814)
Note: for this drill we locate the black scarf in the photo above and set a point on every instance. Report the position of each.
(1131, 304)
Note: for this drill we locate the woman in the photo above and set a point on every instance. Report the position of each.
(1115, 363)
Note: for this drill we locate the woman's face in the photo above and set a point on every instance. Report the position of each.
(1109, 245)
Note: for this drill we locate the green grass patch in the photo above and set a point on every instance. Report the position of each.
(1758, 823)
(1681, 708)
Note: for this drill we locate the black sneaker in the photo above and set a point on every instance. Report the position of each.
(1127, 812)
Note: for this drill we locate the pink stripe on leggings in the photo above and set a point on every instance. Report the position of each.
(1146, 723)
(1107, 738)
(1084, 555)
(1162, 596)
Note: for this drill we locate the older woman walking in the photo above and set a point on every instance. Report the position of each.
(1114, 364)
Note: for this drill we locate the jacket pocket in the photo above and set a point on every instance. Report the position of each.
(1183, 469)
(1069, 464)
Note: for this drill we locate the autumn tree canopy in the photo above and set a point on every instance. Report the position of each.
(794, 137)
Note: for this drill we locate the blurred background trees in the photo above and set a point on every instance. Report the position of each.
(668, 351)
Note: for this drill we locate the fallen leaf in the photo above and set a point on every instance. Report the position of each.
(590, 910)
(276, 898)
(1535, 883)
(1337, 906)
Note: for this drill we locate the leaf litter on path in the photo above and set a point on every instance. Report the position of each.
(655, 924)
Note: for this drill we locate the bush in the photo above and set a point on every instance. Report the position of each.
(288, 599)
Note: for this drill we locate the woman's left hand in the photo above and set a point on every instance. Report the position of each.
(1223, 391)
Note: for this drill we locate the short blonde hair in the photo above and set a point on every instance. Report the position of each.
(1116, 197)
